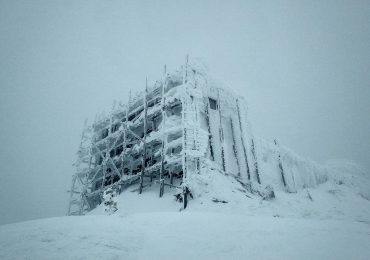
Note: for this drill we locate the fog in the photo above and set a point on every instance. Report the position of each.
(302, 66)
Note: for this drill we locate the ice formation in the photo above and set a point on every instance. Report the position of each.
(181, 128)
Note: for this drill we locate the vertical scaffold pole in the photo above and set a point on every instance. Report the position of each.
(195, 129)
(280, 164)
(234, 145)
(142, 174)
(221, 132)
(242, 140)
(184, 141)
(255, 162)
(126, 125)
(209, 132)
(164, 136)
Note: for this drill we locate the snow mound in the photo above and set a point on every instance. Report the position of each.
(350, 174)
(343, 197)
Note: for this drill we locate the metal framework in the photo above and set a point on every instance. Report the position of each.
(164, 134)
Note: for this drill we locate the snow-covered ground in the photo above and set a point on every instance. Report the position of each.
(330, 221)
(186, 235)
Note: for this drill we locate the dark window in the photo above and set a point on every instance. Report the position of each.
(100, 160)
(104, 133)
(115, 178)
(119, 150)
(212, 104)
(131, 117)
(115, 128)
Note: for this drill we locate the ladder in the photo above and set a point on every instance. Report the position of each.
(78, 203)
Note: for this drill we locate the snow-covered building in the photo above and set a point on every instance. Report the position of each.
(182, 125)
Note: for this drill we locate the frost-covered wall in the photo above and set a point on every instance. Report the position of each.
(299, 173)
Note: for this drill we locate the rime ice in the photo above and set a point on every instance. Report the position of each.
(183, 126)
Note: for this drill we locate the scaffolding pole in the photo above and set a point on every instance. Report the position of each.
(164, 136)
(144, 138)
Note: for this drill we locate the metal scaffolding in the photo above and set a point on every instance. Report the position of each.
(158, 137)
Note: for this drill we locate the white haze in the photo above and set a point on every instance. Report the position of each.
(303, 67)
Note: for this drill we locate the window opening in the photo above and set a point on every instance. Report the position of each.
(212, 104)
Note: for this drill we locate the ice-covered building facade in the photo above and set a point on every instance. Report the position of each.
(180, 126)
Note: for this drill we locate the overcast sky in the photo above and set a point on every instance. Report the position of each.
(303, 67)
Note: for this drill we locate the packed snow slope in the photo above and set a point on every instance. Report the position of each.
(185, 235)
(222, 221)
